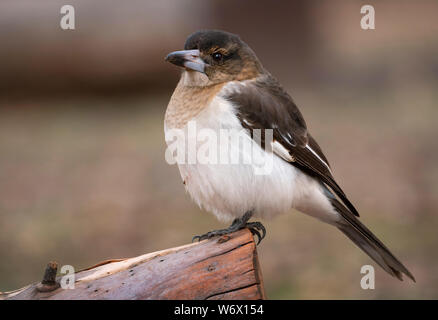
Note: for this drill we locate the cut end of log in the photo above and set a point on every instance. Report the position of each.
(219, 268)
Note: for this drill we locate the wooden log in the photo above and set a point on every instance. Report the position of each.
(219, 268)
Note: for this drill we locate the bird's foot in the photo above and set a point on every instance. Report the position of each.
(240, 223)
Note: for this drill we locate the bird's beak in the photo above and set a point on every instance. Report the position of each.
(189, 59)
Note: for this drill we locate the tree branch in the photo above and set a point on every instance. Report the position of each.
(219, 268)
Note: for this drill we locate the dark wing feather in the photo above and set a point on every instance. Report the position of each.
(264, 104)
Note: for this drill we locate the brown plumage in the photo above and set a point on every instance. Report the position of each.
(264, 104)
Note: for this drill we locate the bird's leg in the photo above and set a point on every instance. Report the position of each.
(238, 223)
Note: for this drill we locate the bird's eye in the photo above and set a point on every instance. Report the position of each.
(217, 56)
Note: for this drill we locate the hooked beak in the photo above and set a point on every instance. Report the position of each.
(189, 59)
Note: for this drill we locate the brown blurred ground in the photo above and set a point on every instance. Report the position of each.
(82, 170)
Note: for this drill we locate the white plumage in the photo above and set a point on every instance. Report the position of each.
(230, 190)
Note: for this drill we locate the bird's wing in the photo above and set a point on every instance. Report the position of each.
(264, 104)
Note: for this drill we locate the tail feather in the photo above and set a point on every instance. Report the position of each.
(369, 243)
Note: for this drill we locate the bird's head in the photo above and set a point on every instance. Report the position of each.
(214, 56)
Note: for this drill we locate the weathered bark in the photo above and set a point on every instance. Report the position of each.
(219, 268)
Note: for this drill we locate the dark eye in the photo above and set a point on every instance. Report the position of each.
(217, 56)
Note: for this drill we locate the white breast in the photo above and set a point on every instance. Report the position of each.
(230, 190)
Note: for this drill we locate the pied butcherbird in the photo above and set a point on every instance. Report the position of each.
(224, 86)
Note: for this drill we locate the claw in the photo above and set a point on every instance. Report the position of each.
(255, 232)
(262, 227)
(209, 235)
(255, 227)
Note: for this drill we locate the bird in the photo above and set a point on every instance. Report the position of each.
(223, 86)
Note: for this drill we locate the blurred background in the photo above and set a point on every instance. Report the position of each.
(82, 170)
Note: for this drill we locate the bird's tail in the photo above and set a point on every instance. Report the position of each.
(369, 243)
